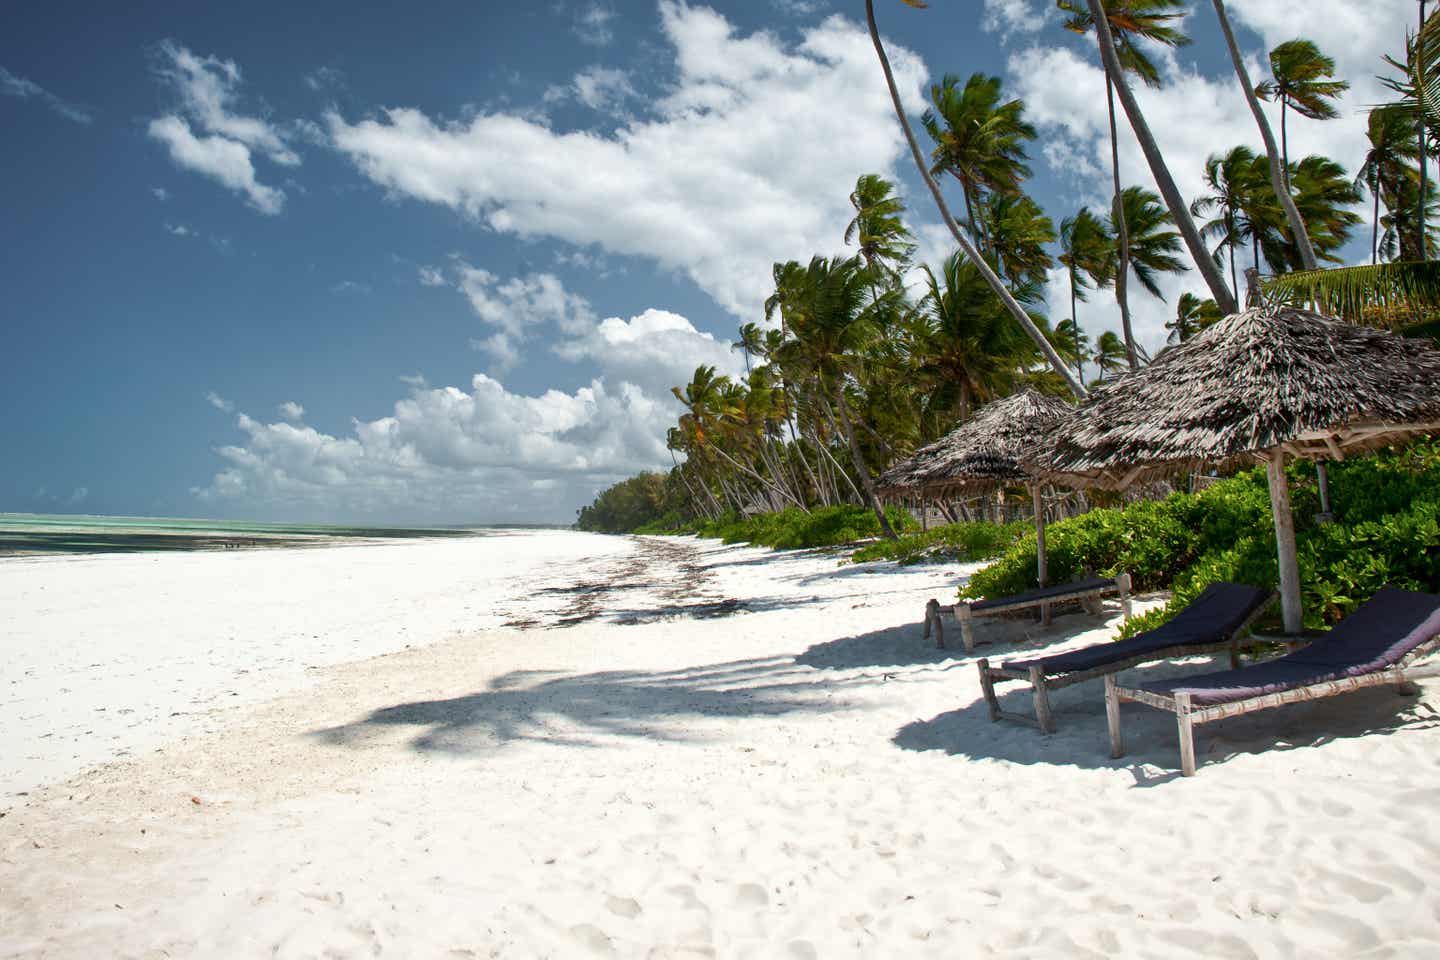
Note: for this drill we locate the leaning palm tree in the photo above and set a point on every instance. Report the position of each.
(1109, 54)
(1012, 306)
(1277, 170)
(1136, 21)
(1300, 78)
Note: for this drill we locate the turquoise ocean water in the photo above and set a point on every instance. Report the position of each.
(31, 534)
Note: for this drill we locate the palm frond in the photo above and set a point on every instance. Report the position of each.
(1350, 293)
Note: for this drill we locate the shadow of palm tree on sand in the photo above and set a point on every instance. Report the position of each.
(580, 709)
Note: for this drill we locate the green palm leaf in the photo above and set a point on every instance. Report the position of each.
(1397, 293)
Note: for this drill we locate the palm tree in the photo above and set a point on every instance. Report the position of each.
(1085, 247)
(1016, 311)
(1109, 354)
(979, 140)
(1300, 80)
(1388, 163)
(1072, 343)
(964, 349)
(832, 324)
(1400, 234)
(877, 228)
(1192, 315)
(1019, 235)
(1419, 89)
(1325, 195)
(1176, 204)
(1231, 177)
(1277, 170)
(1153, 244)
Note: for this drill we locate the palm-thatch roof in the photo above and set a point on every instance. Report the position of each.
(982, 452)
(1273, 377)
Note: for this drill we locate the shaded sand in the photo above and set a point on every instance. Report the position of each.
(729, 753)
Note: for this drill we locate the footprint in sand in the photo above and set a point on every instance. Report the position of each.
(751, 895)
(594, 939)
(626, 907)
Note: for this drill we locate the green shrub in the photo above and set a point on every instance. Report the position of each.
(1386, 531)
(955, 541)
(796, 529)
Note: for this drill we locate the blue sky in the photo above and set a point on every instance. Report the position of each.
(441, 263)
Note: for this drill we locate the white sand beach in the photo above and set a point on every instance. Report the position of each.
(564, 745)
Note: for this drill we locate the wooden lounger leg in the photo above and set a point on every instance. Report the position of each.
(967, 630)
(1123, 582)
(1042, 700)
(1234, 654)
(1112, 715)
(987, 686)
(1187, 734)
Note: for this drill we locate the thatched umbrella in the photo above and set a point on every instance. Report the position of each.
(1258, 386)
(982, 454)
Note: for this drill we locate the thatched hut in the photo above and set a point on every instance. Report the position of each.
(982, 454)
(1258, 386)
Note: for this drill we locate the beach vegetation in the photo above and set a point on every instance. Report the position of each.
(1386, 531)
(951, 542)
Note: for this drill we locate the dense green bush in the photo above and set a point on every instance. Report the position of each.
(795, 529)
(956, 541)
(628, 504)
(1387, 530)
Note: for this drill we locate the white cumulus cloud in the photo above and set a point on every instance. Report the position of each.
(291, 410)
(226, 141)
(483, 451)
(737, 167)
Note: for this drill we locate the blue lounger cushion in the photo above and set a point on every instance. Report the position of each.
(1380, 633)
(1209, 619)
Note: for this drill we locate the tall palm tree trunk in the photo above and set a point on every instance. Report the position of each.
(1011, 305)
(1122, 271)
(1420, 125)
(1214, 279)
(1277, 177)
(1375, 226)
(1075, 329)
(1234, 283)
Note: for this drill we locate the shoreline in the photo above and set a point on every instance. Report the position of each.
(799, 775)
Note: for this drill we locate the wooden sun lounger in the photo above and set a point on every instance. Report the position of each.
(1214, 620)
(1376, 645)
(1088, 591)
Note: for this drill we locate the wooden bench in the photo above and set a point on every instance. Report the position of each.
(1088, 591)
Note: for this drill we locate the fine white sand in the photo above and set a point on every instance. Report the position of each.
(688, 750)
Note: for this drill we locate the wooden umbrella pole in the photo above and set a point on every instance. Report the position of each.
(1290, 609)
(1040, 570)
(1323, 476)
